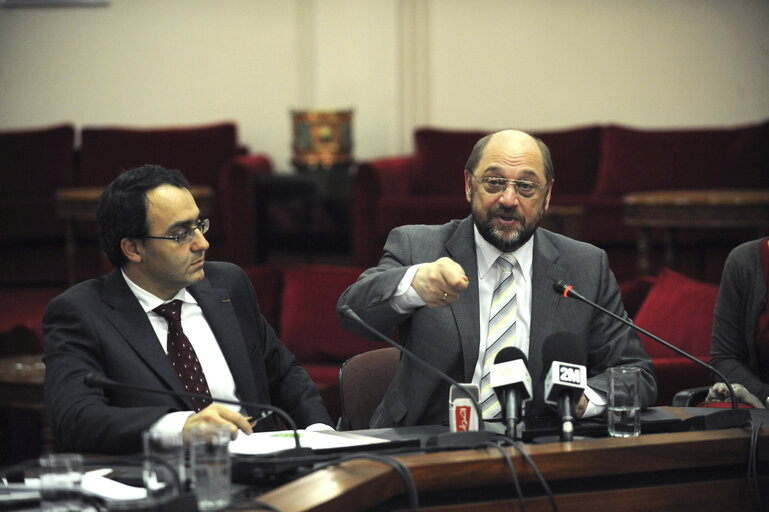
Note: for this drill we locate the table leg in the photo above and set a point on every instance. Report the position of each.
(670, 247)
(642, 249)
(71, 250)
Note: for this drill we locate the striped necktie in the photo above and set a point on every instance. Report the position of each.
(501, 332)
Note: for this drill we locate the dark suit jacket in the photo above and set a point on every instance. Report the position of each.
(448, 337)
(98, 326)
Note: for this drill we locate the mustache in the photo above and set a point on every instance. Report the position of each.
(508, 212)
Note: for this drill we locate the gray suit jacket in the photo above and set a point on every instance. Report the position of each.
(98, 326)
(448, 337)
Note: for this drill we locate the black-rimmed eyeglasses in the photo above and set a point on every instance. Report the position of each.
(187, 234)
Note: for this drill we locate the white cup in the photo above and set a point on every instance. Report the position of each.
(60, 478)
(624, 412)
(210, 465)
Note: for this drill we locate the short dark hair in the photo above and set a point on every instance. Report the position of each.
(477, 153)
(122, 210)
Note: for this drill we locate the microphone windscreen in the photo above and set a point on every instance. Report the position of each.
(559, 286)
(565, 347)
(510, 354)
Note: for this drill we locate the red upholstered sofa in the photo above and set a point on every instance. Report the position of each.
(594, 167)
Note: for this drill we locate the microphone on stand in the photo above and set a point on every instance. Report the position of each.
(568, 291)
(93, 380)
(511, 382)
(566, 380)
(454, 438)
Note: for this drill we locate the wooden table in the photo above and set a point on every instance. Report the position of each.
(567, 220)
(79, 204)
(21, 387)
(702, 209)
(703, 471)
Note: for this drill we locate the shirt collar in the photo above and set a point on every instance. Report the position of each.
(487, 254)
(149, 301)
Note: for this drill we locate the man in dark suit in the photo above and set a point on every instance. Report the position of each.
(435, 284)
(151, 230)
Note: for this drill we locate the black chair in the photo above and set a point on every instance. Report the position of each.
(690, 397)
(363, 380)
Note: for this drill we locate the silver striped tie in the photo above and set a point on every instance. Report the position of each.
(501, 332)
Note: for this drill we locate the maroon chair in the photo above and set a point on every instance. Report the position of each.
(363, 381)
(208, 155)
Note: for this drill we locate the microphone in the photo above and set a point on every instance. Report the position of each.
(565, 354)
(455, 437)
(568, 291)
(512, 383)
(93, 380)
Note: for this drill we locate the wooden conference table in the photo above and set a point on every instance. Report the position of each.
(692, 209)
(703, 471)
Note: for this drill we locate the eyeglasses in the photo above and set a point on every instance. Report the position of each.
(187, 234)
(495, 185)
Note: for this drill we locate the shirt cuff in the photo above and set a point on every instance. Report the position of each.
(316, 427)
(596, 403)
(172, 422)
(406, 298)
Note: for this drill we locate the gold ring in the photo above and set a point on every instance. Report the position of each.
(445, 297)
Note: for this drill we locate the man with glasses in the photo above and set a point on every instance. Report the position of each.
(163, 319)
(460, 292)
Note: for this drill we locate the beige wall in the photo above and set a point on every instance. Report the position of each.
(398, 63)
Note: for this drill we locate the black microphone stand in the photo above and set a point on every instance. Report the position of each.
(568, 291)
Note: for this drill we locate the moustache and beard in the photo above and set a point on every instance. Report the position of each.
(506, 241)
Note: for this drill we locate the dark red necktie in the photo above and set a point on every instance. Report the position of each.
(182, 355)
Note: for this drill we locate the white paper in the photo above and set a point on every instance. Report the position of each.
(260, 443)
(94, 482)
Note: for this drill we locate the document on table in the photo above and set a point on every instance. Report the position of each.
(262, 443)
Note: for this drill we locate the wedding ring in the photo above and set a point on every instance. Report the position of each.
(445, 297)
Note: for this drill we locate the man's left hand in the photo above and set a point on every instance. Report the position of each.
(581, 406)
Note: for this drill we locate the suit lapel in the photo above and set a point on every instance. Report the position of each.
(544, 300)
(131, 322)
(461, 248)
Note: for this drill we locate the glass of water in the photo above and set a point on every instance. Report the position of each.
(60, 478)
(210, 464)
(624, 413)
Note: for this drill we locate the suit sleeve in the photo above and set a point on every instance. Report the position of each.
(370, 295)
(81, 418)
